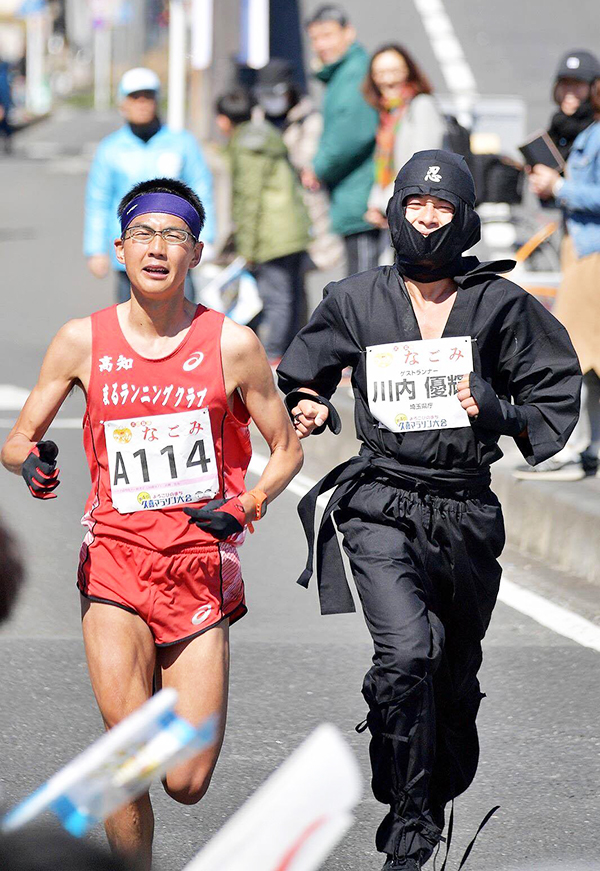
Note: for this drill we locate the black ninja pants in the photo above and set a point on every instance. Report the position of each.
(426, 571)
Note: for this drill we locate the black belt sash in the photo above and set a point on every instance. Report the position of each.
(334, 593)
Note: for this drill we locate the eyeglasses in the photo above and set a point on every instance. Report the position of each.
(171, 235)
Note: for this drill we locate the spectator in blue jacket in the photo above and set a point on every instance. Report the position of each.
(578, 300)
(5, 105)
(143, 148)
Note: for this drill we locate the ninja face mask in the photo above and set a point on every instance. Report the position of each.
(444, 175)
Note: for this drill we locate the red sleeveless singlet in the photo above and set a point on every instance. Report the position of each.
(160, 435)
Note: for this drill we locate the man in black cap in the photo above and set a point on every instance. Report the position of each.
(438, 345)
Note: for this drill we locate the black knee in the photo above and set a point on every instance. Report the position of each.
(397, 674)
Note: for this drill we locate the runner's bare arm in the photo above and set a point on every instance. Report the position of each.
(246, 369)
(67, 362)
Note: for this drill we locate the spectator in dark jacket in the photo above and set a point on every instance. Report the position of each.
(344, 159)
(574, 76)
(301, 126)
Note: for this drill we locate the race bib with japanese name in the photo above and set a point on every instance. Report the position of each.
(161, 461)
(412, 386)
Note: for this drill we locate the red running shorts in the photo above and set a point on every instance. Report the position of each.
(178, 595)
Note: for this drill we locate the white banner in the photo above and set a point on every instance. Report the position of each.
(412, 386)
(117, 768)
(201, 34)
(296, 817)
(255, 33)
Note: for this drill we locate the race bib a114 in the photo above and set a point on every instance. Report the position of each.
(161, 461)
(413, 385)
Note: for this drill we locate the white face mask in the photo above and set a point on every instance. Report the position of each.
(275, 101)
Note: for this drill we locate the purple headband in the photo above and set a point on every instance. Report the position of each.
(167, 204)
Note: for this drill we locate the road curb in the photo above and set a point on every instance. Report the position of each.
(557, 522)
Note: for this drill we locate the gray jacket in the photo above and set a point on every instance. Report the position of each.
(302, 133)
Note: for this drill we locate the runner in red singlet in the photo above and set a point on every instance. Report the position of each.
(171, 388)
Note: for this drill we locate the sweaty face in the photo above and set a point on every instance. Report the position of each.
(329, 40)
(140, 107)
(156, 267)
(427, 213)
(390, 72)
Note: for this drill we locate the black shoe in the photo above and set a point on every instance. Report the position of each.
(589, 464)
(397, 864)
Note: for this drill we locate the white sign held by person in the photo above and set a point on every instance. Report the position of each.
(117, 768)
(296, 817)
(412, 386)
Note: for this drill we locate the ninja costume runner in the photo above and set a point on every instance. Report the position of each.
(420, 525)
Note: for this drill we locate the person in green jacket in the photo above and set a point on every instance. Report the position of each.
(344, 159)
(271, 224)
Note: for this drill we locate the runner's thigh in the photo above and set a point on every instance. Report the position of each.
(392, 585)
(121, 655)
(199, 671)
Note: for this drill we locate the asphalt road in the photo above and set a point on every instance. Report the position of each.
(291, 668)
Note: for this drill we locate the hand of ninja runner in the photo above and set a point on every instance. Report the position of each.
(308, 416)
(39, 470)
(465, 397)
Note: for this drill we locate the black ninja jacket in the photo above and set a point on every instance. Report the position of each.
(519, 349)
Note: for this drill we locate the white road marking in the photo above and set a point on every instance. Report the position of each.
(549, 614)
(299, 486)
(457, 73)
(12, 397)
(560, 620)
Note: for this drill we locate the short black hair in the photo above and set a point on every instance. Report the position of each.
(236, 105)
(164, 186)
(329, 12)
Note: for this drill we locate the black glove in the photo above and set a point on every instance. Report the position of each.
(334, 421)
(221, 517)
(494, 413)
(40, 472)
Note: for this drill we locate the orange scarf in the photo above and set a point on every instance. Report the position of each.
(390, 117)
